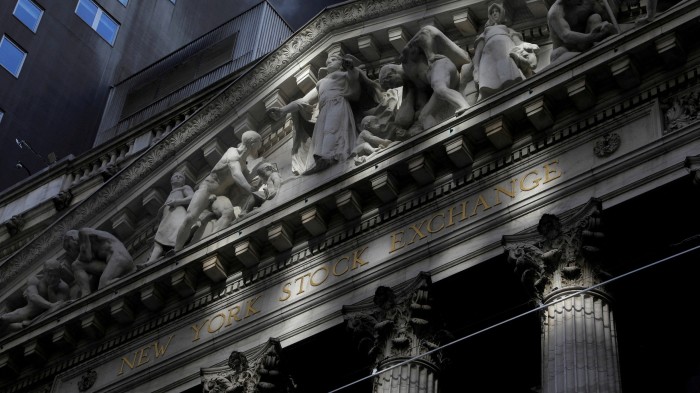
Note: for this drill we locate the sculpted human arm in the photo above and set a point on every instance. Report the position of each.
(562, 30)
(85, 244)
(33, 296)
(238, 175)
(276, 113)
(354, 88)
(185, 200)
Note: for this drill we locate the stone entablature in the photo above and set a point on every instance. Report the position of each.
(484, 166)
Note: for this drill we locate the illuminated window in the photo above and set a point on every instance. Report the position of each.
(28, 13)
(11, 56)
(98, 19)
(1, 115)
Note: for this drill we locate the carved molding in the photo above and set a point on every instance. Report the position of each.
(682, 110)
(87, 380)
(607, 145)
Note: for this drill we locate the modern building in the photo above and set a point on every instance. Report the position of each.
(61, 59)
(543, 239)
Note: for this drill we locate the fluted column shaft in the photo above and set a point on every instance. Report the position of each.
(414, 377)
(579, 344)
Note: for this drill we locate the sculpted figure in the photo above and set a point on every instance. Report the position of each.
(333, 136)
(96, 253)
(369, 142)
(270, 182)
(45, 293)
(172, 215)
(430, 78)
(499, 52)
(575, 26)
(230, 175)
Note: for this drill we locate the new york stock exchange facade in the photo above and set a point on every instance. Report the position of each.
(537, 232)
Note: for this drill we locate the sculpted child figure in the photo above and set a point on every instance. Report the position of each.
(369, 142)
(172, 215)
(45, 292)
(269, 186)
(229, 175)
(96, 253)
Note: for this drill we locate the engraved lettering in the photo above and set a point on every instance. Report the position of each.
(442, 223)
(128, 363)
(143, 359)
(357, 260)
(462, 214)
(335, 266)
(480, 202)
(249, 306)
(160, 349)
(396, 240)
(536, 182)
(233, 314)
(301, 282)
(197, 329)
(548, 171)
(223, 320)
(510, 193)
(315, 283)
(287, 292)
(417, 231)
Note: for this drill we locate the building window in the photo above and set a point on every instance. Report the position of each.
(28, 13)
(1, 115)
(11, 56)
(98, 19)
(124, 2)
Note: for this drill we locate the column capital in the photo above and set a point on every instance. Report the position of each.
(398, 323)
(261, 370)
(561, 252)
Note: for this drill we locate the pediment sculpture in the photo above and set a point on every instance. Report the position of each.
(44, 293)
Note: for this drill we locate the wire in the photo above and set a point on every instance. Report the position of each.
(536, 309)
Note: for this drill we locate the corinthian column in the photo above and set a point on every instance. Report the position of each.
(394, 328)
(557, 263)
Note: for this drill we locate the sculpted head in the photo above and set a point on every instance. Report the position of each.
(177, 179)
(52, 272)
(251, 140)
(334, 63)
(496, 14)
(524, 59)
(266, 169)
(391, 76)
(70, 243)
(370, 123)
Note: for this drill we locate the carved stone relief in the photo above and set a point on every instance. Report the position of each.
(87, 380)
(398, 324)
(560, 255)
(607, 145)
(44, 293)
(96, 256)
(263, 372)
(681, 110)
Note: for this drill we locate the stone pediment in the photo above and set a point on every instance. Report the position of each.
(326, 212)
